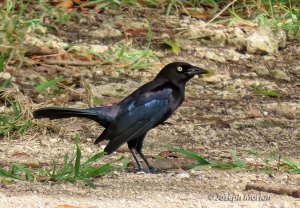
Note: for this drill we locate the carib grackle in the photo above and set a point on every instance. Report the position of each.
(144, 109)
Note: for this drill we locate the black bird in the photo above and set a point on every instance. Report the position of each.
(144, 109)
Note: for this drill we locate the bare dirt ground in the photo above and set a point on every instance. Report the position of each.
(220, 112)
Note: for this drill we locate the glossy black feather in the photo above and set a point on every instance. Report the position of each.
(131, 119)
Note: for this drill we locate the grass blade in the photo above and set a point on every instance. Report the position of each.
(238, 162)
(90, 184)
(294, 168)
(94, 158)
(100, 171)
(5, 84)
(25, 171)
(44, 86)
(77, 160)
(125, 163)
(174, 46)
(8, 174)
(191, 155)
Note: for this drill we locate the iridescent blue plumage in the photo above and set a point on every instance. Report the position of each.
(131, 119)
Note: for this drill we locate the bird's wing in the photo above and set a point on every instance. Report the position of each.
(140, 116)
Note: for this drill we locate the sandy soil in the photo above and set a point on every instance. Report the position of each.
(220, 113)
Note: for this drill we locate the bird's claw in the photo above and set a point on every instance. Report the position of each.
(154, 171)
(138, 171)
(143, 171)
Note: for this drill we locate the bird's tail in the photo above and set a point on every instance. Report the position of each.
(57, 113)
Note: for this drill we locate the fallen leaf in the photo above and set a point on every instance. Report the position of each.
(39, 51)
(196, 14)
(166, 154)
(136, 32)
(54, 2)
(67, 4)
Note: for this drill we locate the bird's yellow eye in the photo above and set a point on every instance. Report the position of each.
(179, 68)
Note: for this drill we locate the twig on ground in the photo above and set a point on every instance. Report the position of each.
(73, 63)
(220, 12)
(274, 189)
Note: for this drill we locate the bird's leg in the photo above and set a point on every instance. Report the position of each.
(140, 151)
(150, 167)
(139, 165)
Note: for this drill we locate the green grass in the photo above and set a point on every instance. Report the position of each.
(13, 121)
(19, 19)
(49, 85)
(72, 170)
(173, 45)
(202, 163)
(17, 172)
(262, 90)
(127, 58)
(13, 29)
(275, 163)
(271, 164)
(277, 14)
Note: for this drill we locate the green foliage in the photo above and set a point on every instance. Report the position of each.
(13, 121)
(18, 172)
(291, 166)
(72, 170)
(271, 163)
(48, 84)
(174, 46)
(18, 20)
(149, 34)
(181, 4)
(108, 4)
(274, 162)
(56, 15)
(75, 171)
(262, 90)
(236, 163)
(5, 84)
(283, 14)
(12, 31)
(131, 59)
(128, 58)
(200, 160)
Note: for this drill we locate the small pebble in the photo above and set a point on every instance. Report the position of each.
(183, 175)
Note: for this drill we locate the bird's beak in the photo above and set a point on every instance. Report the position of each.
(196, 71)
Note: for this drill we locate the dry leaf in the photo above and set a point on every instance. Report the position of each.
(197, 14)
(67, 4)
(166, 154)
(79, 2)
(39, 51)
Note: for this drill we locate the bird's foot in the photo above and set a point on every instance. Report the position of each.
(154, 171)
(143, 171)
(138, 171)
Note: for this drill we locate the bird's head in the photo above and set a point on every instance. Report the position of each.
(180, 72)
